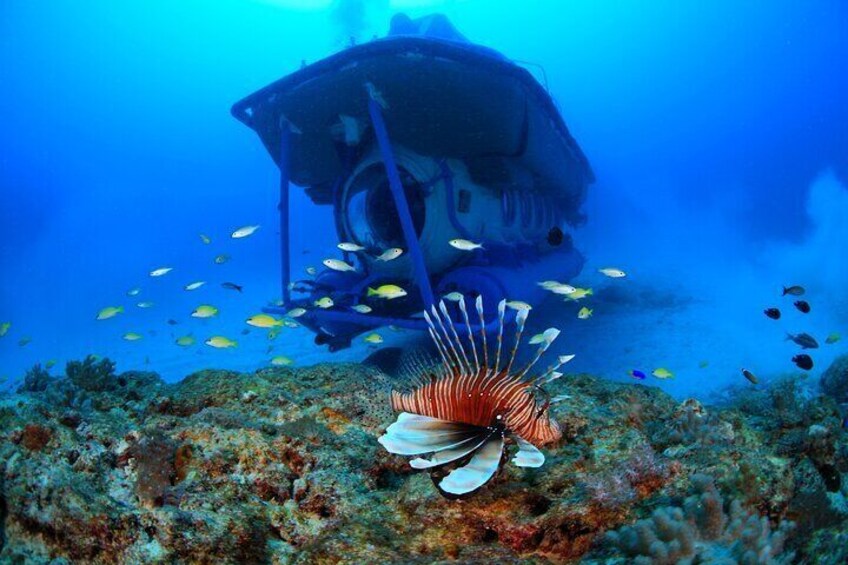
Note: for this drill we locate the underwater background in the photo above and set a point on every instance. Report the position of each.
(717, 133)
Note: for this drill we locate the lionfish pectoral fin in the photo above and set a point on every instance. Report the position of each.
(528, 455)
(479, 470)
(449, 455)
(412, 434)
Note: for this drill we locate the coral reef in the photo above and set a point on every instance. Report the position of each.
(703, 530)
(834, 381)
(282, 466)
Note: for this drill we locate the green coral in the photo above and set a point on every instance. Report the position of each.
(703, 530)
(92, 375)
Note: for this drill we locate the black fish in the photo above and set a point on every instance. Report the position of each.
(555, 236)
(803, 306)
(750, 376)
(794, 290)
(806, 341)
(172, 322)
(231, 286)
(803, 361)
(772, 313)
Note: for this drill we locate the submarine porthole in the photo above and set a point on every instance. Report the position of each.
(372, 218)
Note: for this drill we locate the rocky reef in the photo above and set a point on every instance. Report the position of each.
(283, 466)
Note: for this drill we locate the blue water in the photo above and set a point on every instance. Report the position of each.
(718, 133)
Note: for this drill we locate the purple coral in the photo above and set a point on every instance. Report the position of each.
(703, 531)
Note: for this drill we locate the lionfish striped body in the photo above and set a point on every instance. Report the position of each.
(462, 410)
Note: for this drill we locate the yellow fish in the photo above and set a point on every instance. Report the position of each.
(273, 333)
(373, 338)
(454, 296)
(133, 291)
(145, 304)
(311, 271)
(4, 328)
(204, 311)
(220, 342)
(579, 293)
(132, 336)
(194, 285)
(296, 312)
(24, 340)
(281, 361)
(387, 291)
(325, 302)
(662, 373)
(205, 239)
(185, 341)
(537, 339)
(831, 339)
(50, 364)
(109, 312)
(518, 305)
(221, 259)
(584, 313)
(161, 271)
(264, 321)
(244, 232)
(290, 324)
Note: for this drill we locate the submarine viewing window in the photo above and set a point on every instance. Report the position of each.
(372, 217)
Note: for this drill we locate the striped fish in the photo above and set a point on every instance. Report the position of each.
(465, 409)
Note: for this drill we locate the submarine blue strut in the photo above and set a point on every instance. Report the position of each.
(420, 269)
(285, 272)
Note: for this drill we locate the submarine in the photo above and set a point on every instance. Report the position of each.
(416, 139)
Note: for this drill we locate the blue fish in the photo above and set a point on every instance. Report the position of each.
(637, 374)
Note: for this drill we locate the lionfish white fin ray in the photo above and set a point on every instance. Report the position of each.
(551, 374)
(478, 471)
(449, 455)
(412, 434)
(454, 356)
(520, 318)
(549, 335)
(501, 311)
(467, 366)
(479, 305)
(528, 455)
(470, 334)
(438, 343)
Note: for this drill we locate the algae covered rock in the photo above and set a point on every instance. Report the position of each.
(834, 381)
(282, 466)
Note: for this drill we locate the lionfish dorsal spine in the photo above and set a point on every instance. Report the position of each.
(437, 341)
(501, 311)
(470, 334)
(479, 305)
(520, 318)
(551, 374)
(549, 336)
(455, 361)
(466, 366)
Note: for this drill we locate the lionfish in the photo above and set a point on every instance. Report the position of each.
(464, 411)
